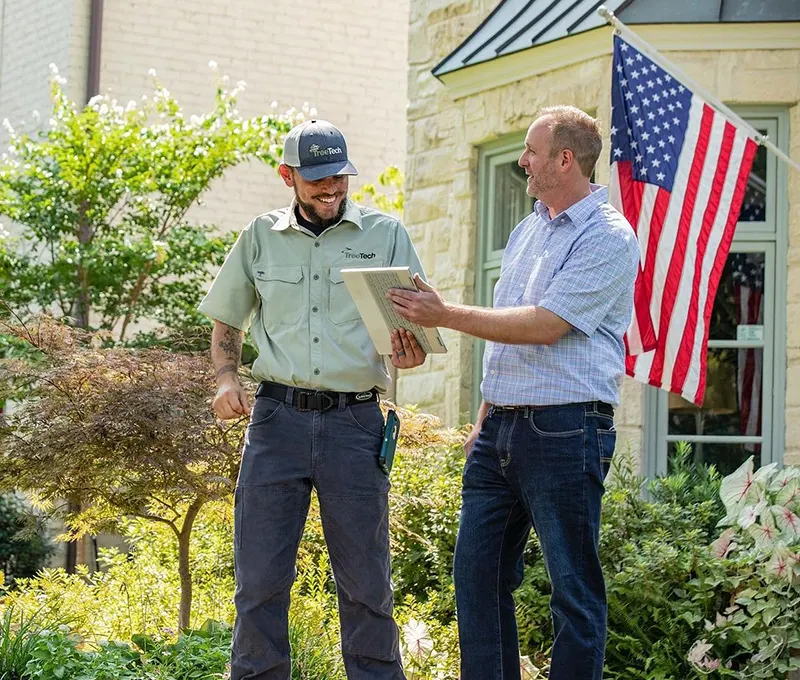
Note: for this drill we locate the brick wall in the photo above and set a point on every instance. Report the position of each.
(349, 63)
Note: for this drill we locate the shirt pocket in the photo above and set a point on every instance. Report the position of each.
(341, 307)
(282, 293)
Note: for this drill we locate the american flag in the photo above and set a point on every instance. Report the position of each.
(748, 287)
(678, 173)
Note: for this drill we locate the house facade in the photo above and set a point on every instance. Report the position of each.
(480, 70)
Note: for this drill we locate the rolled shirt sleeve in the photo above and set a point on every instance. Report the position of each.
(232, 298)
(596, 274)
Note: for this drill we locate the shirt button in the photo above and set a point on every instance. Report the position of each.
(315, 309)
(316, 339)
(316, 371)
(316, 277)
(493, 372)
(316, 245)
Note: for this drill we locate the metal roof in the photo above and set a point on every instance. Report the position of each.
(516, 25)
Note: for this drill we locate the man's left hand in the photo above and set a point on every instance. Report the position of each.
(424, 306)
(406, 352)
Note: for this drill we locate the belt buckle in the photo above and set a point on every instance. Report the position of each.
(330, 401)
(314, 401)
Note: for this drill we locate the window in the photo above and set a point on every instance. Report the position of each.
(743, 410)
(502, 203)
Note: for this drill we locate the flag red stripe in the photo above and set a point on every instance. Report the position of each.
(675, 269)
(631, 193)
(722, 253)
(684, 355)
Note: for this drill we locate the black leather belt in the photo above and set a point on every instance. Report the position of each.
(314, 400)
(597, 406)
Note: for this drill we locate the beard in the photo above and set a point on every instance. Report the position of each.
(316, 218)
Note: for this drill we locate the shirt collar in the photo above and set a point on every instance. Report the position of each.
(289, 218)
(578, 213)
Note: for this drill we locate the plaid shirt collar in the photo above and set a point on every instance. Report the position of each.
(578, 213)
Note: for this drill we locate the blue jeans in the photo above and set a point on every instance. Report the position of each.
(542, 468)
(286, 453)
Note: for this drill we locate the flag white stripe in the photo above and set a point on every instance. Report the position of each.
(683, 296)
(666, 243)
(697, 363)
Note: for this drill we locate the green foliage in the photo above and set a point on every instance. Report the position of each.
(103, 195)
(677, 608)
(23, 547)
(390, 179)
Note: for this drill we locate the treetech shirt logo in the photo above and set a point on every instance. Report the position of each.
(351, 255)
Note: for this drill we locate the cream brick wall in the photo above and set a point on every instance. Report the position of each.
(34, 34)
(444, 136)
(348, 62)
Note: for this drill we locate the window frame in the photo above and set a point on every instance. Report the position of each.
(490, 157)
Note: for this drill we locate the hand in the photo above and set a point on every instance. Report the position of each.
(471, 439)
(425, 306)
(231, 402)
(406, 352)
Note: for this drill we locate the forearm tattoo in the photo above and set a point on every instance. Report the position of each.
(229, 346)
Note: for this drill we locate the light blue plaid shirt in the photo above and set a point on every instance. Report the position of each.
(581, 265)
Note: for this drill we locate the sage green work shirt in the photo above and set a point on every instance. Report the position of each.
(287, 283)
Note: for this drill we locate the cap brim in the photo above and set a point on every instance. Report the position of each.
(315, 172)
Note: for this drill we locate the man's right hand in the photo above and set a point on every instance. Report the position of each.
(473, 436)
(231, 401)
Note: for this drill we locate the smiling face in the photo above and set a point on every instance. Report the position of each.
(322, 202)
(537, 160)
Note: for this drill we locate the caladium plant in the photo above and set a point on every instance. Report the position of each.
(763, 515)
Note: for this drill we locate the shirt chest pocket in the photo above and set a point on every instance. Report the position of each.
(283, 295)
(341, 307)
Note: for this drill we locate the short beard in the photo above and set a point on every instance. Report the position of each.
(314, 217)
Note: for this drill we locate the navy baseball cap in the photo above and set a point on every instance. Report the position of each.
(317, 149)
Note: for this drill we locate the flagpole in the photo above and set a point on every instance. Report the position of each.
(645, 47)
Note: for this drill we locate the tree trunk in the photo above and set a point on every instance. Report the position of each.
(81, 321)
(183, 564)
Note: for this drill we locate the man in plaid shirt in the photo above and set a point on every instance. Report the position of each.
(544, 436)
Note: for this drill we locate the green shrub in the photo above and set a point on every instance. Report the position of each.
(23, 547)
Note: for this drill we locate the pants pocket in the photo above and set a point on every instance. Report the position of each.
(606, 442)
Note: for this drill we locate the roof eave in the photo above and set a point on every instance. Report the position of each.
(532, 61)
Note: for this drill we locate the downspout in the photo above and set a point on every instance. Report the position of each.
(95, 43)
(76, 553)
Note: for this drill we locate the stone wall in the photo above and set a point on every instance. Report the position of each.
(445, 134)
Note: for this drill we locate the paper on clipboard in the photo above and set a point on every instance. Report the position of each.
(368, 288)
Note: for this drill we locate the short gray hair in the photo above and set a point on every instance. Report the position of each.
(577, 131)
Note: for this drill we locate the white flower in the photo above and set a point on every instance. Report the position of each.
(152, 72)
(36, 115)
(53, 69)
(417, 639)
(4, 233)
(7, 126)
(274, 105)
(60, 80)
(241, 84)
(212, 65)
(312, 112)
(528, 671)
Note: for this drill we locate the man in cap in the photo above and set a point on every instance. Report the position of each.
(316, 420)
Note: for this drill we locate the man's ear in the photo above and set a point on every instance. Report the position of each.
(286, 174)
(566, 159)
